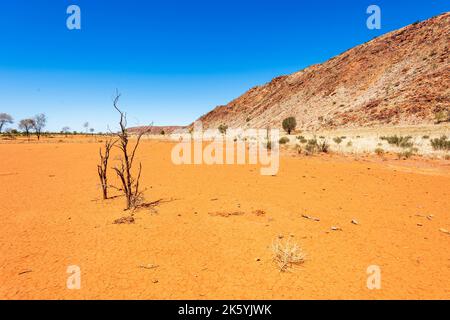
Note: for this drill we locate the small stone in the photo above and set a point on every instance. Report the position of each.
(280, 236)
(155, 281)
(336, 228)
(420, 225)
(355, 222)
(444, 231)
(257, 259)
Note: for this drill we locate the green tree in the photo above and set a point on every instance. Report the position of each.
(289, 124)
(223, 128)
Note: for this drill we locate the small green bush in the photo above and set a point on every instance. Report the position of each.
(338, 140)
(284, 140)
(441, 143)
(405, 154)
(399, 141)
(379, 151)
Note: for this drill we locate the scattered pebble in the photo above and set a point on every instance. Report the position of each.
(355, 222)
(336, 228)
(25, 271)
(257, 259)
(420, 225)
(310, 218)
(149, 266)
(444, 231)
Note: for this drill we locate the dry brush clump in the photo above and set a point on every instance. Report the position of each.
(399, 141)
(102, 168)
(287, 254)
(441, 143)
(125, 171)
(316, 146)
(130, 182)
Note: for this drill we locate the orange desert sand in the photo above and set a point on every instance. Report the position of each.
(188, 247)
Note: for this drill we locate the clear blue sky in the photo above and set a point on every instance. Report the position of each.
(172, 60)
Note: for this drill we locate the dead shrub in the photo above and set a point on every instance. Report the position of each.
(130, 183)
(287, 254)
(102, 168)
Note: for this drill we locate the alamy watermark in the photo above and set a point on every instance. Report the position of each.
(374, 20)
(374, 277)
(74, 278)
(235, 146)
(73, 21)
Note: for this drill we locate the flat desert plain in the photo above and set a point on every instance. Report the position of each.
(210, 236)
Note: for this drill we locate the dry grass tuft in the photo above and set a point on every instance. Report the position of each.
(287, 254)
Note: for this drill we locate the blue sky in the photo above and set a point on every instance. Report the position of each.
(172, 60)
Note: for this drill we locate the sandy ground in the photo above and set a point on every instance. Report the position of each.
(51, 218)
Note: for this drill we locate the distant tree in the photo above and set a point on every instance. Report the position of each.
(5, 119)
(91, 130)
(289, 124)
(86, 126)
(223, 128)
(40, 121)
(26, 125)
(65, 131)
(162, 132)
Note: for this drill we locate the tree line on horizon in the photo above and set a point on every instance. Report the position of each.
(35, 125)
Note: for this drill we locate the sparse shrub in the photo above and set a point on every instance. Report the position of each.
(379, 151)
(102, 168)
(311, 147)
(442, 116)
(284, 140)
(399, 141)
(441, 143)
(314, 146)
(302, 139)
(349, 144)
(321, 137)
(289, 124)
(337, 140)
(287, 254)
(426, 137)
(162, 132)
(247, 119)
(405, 154)
(323, 146)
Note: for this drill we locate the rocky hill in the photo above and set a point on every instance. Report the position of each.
(400, 78)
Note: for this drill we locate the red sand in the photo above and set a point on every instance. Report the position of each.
(52, 217)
